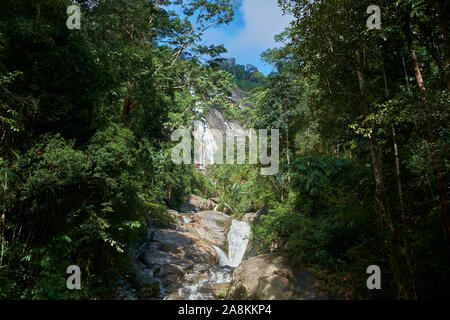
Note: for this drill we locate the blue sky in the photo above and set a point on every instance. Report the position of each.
(255, 24)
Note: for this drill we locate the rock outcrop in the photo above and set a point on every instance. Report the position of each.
(180, 261)
(267, 277)
(249, 217)
(196, 204)
(203, 282)
(211, 226)
(172, 253)
(180, 218)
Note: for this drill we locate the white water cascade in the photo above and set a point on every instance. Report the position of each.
(223, 258)
(186, 220)
(207, 144)
(238, 237)
(209, 140)
(195, 291)
(239, 233)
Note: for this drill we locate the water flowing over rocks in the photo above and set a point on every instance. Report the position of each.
(172, 253)
(238, 238)
(181, 261)
(206, 255)
(202, 283)
(180, 219)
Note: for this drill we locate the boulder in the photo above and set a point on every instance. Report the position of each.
(172, 253)
(211, 226)
(202, 282)
(196, 204)
(267, 277)
(180, 218)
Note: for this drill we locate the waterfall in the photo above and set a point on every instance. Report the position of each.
(238, 237)
(208, 145)
(186, 220)
(223, 259)
(237, 244)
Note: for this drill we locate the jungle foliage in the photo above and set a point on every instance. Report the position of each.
(363, 119)
(85, 123)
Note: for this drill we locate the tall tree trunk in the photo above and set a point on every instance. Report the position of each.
(288, 159)
(429, 131)
(406, 73)
(397, 172)
(444, 16)
(403, 226)
(397, 260)
(397, 160)
(373, 154)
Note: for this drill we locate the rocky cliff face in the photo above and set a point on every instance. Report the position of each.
(211, 129)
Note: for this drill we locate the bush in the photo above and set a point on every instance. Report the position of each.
(73, 207)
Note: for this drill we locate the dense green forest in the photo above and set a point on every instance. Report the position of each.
(247, 77)
(86, 118)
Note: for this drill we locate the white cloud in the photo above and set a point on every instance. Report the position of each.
(263, 19)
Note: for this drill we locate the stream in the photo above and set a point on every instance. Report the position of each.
(237, 240)
(197, 256)
(239, 231)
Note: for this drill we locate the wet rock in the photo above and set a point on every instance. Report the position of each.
(173, 272)
(267, 277)
(174, 296)
(196, 204)
(211, 226)
(200, 282)
(172, 253)
(180, 218)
